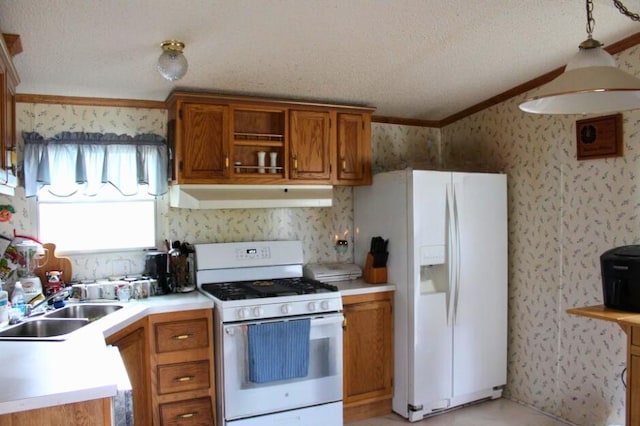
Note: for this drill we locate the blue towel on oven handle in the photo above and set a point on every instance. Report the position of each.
(278, 350)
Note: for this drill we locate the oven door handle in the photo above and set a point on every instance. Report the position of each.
(316, 320)
(329, 319)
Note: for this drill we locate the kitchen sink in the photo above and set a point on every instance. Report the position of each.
(87, 311)
(43, 329)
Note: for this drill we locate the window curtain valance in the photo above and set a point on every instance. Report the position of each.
(76, 161)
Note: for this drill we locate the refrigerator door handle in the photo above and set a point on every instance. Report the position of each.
(458, 255)
(450, 253)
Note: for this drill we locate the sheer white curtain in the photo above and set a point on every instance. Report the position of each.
(75, 161)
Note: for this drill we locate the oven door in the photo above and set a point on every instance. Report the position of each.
(323, 383)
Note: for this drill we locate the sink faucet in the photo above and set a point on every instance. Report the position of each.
(59, 295)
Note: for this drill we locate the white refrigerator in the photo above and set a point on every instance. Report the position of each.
(447, 235)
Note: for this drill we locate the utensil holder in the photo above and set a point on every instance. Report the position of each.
(374, 275)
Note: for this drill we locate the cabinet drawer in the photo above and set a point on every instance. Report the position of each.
(181, 335)
(194, 412)
(183, 377)
(635, 336)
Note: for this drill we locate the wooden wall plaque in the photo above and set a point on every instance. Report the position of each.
(599, 137)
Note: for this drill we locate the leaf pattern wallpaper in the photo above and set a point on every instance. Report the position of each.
(563, 213)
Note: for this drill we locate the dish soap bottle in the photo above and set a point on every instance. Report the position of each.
(4, 306)
(17, 297)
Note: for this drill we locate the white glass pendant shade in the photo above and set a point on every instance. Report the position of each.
(172, 64)
(591, 84)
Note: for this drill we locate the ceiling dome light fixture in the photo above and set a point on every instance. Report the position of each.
(591, 83)
(172, 64)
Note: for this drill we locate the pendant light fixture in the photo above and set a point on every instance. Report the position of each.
(591, 83)
(172, 64)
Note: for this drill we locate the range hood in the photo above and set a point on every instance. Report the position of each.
(195, 196)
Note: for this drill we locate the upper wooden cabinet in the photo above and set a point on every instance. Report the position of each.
(310, 143)
(8, 82)
(199, 141)
(353, 149)
(258, 143)
(217, 139)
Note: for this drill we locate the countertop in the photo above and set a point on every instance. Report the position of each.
(355, 287)
(622, 318)
(81, 368)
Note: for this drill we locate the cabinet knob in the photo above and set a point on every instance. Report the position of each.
(184, 379)
(344, 165)
(295, 163)
(226, 161)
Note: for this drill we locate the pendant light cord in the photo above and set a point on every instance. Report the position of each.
(623, 9)
(590, 21)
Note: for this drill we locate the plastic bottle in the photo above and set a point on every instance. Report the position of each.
(17, 297)
(4, 307)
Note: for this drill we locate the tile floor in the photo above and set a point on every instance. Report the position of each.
(500, 412)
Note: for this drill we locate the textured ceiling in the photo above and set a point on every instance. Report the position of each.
(416, 59)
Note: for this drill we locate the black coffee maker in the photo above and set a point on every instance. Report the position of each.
(156, 266)
(621, 278)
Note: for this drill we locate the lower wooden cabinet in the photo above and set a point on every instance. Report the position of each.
(132, 341)
(194, 412)
(630, 323)
(367, 355)
(181, 367)
(169, 359)
(96, 412)
(633, 378)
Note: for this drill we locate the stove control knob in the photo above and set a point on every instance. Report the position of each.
(312, 306)
(258, 311)
(324, 305)
(243, 313)
(286, 308)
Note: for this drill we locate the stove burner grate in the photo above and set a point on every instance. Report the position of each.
(239, 290)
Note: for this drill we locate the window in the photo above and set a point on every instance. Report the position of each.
(108, 221)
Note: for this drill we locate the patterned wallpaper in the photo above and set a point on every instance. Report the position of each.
(563, 214)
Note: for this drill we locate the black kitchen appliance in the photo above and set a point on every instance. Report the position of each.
(621, 278)
(156, 266)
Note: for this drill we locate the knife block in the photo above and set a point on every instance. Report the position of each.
(374, 275)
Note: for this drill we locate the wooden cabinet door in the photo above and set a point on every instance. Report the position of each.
(203, 149)
(368, 355)
(94, 412)
(310, 146)
(7, 113)
(354, 149)
(4, 115)
(633, 381)
(132, 343)
(9, 79)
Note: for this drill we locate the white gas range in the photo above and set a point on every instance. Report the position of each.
(278, 335)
